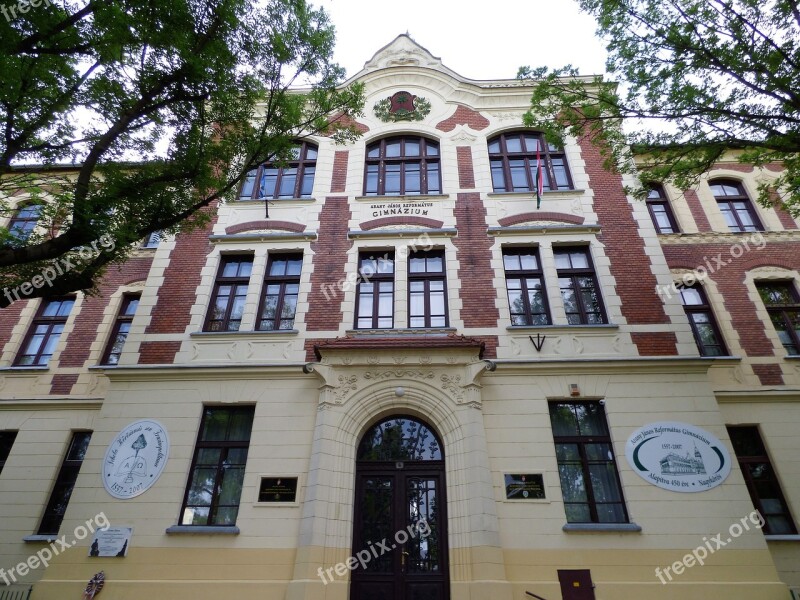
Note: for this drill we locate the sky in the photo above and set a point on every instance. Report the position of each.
(491, 42)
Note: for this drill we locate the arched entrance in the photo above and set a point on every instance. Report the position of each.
(400, 521)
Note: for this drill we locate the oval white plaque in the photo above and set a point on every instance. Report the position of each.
(135, 459)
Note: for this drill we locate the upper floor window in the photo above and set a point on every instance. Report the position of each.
(281, 287)
(701, 319)
(735, 205)
(122, 326)
(427, 289)
(514, 159)
(293, 179)
(783, 306)
(375, 301)
(661, 211)
(527, 299)
(24, 221)
(580, 290)
(152, 240)
(230, 293)
(45, 331)
(402, 166)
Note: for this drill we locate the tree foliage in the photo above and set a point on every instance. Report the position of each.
(700, 79)
(160, 107)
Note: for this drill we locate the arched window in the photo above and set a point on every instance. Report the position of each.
(24, 221)
(406, 165)
(399, 439)
(660, 210)
(514, 158)
(735, 205)
(293, 180)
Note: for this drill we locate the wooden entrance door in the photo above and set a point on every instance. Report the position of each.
(400, 524)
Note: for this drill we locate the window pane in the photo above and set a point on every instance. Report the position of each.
(413, 180)
(573, 486)
(308, 182)
(288, 183)
(519, 175)
(392, 149)
(434, 186)
(563, 420)
(498, 176)
(412, 148)
(371, 186)
(513, 144)
(392, 183)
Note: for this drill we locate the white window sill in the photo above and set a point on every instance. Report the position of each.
(602, 528)
(204, 529)
(782, 538)
(40, 538)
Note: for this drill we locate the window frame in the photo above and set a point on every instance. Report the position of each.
(225, 446)
(573, 274)
(661, 200)
(581, 441)
(523, 275)
(547, 152)
(122, 318)
(744, 461)
(374, 281)
(730, 199)
(7, 439)
(67, 477)
(302, 163)
(236, 282)
(424, 159)
(427, 277)
(51, 322)
(781, 309)
(29, 222)
(282, 281)
(690, 309)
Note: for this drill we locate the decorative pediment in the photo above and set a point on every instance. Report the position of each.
(402, 52)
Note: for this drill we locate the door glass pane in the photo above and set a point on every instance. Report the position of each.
(377, 517)
(423, 546)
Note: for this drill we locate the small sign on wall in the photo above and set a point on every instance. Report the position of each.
(529, 486)
(277, 489)
(113, 541)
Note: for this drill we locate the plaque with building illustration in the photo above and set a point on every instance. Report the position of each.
(112, 541)
(277, 489)
(529, 486)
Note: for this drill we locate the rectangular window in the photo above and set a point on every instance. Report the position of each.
(6, 441)
(527, 299)
(281, 287)
(580, 290)
(152, 240)
(427, 289)
(65, 483)
(590, 482)
(701, 318)
(762, 483)
(783, 306)
(230, 292)
(45, 331)
(375, 302)
(122, 326)
(660, 210)
(217, 474)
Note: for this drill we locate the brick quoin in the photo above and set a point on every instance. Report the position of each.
(769, 374)
(474, 266)
(466, 174)
(540, 216)
(330, 257)
(268, 224)
(698, 214)
(630, 265)
(464, 116)
(656, 343)
(389, 221)
(339, 179)
(158, 353)
(729, 280)
(62, 383)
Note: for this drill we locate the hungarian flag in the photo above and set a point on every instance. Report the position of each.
(539, 179)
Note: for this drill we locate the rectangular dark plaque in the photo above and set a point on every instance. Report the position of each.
(277, 489)
(529, 486)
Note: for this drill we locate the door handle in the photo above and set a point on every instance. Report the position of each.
(403, 555)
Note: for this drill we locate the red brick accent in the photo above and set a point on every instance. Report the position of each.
(269, 224)
(699, 215)
(387, 221)
(464, 116)
(739, 167)
(540, 216)
(178, 293)
(9, 317)
(62, 383)
(87, 322)
(474, 266)
(339, 179)
(466, 173)
(656, 343)
(624, 246)
(769, 374)
(330, 256)
(158, 353)
(344, 120)
(783, 216)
